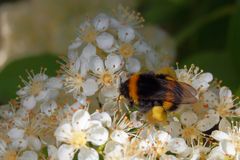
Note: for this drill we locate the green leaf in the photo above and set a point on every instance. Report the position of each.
(9, 76)
(219, 64)
(233, 46)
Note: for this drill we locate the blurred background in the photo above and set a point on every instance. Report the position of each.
(33, 33)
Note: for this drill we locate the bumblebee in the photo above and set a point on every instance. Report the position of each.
(155, 94)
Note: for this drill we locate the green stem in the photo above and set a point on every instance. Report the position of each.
(200, 22)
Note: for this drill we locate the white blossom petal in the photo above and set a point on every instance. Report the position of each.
(119, 136)
(219, 135)
(97, 135)
(88, 52)
(174, 128)
(177, 145)
(101, 22)
(52, 152)
(28, 155)
(48, 107)
(224, 125)
(29, 102)
(105, 41)
(55, 83)
(16, 133)
(126, 34)
(19, 144)
(113, 62)
(63, 132)
(90, 86)
(96, 65)
(133, 65)
(104, 117)
(228, 147)
(65, 152)
(188, 118)
(34, 143)
(80, 120)
(88, 154)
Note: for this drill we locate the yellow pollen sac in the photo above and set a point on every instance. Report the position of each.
(157, 114)
(78, 139)
(126, 50)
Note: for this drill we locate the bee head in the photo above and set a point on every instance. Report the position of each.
(124, 90)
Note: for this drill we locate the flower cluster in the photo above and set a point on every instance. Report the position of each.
(80, 114)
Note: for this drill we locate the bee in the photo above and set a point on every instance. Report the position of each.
(155, 94)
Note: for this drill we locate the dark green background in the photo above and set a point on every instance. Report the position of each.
(207, 33)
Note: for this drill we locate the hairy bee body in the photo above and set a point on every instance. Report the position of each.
(148, 90)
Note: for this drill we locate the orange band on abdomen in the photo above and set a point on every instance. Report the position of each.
(133, 87)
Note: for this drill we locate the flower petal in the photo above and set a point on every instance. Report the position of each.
(80, 120)
(104, 117)
(48, 107)
(29, 102)
(88, 154)
(133, 65)
(105, 41)
(90, 86)
(224, 125)
(119, 136)
(113, 62)
(88, 52)
(174, 128)
(97, 135)
(19, 144)
(28, 155)
(96, 65)
(34, 143)
(65, 152)
(228, 147)
(101, 22)
(15, 133)
(177, 145)
(188, 118)
(126, 34)
(63, 132)
(219, 135)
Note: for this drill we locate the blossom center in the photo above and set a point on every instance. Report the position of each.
(106, 79)
(190, 132)
(10, 155)
(126, 50)
(36, 88)
(89, 35)
(78, 139)
(223, 111)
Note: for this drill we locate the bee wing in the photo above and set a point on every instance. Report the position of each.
(188, 93)
(175, 92)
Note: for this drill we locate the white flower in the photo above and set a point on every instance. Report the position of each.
(75, 80)
(107, 72)
(76, 135)
(34, 91)
(229, 143)
(195, 77)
